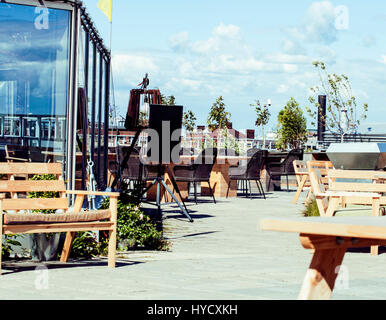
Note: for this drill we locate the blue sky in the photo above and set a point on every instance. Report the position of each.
(247, 50)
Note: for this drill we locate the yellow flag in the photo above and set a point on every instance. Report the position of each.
(107, 8)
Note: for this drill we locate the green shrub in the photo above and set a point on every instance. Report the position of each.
(135, 229)
(6, 248)
(311, 209)
(85, 245)
(49, 194)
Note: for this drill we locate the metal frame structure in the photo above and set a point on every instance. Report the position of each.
(80, 19)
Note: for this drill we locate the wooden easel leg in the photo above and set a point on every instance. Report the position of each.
(320, 278)
(67, 246)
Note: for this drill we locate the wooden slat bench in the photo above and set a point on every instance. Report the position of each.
(329, 238)
(20, 214)
(358, 181)
(302, 175)
(342, 193)
(344, 188)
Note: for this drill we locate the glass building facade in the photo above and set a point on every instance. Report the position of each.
(54, 87)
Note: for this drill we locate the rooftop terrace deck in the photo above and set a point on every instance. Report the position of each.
(222, 255)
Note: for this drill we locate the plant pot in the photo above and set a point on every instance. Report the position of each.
(127, 244)
(44, 247)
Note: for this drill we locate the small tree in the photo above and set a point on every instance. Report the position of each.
(292, 124)
(263, 115)
(218, 118)
(189, 121)
(341, 104)
(170, 100)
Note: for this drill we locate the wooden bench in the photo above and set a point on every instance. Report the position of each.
(343, 188)
(358, 181)
(302, 176)
(302, 180)
(330, 239)
(342, 193)
(20, 214)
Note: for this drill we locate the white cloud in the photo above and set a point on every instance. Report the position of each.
(369, 41)
(227, 31)
(383, 59)
(290, 68)
(130, 68)
(326, 54)
(288, 58)
(320, 22)
(293, 47)
(283, 88)
(179, 41)
(318, 25)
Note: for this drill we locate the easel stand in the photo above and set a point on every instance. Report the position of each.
(160, 181)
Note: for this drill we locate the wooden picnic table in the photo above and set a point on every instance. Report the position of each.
(329, 238)
(219, 178)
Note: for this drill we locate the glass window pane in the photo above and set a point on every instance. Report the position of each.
(34, 74)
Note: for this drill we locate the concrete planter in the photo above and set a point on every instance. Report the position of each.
(44, 248)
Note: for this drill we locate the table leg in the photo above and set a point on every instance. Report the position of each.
(375, 212)
(219, 180)
(320, 278)
(332, 206)
(309, 195)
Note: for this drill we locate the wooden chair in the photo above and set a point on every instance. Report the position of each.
(302, 179)
(20, 155)
(322, 167)
(301, 169)
(199, 171)
(250, 171)
(329, 238)
(19, 212)
(284, 168)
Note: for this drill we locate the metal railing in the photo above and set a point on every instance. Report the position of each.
(329, 138)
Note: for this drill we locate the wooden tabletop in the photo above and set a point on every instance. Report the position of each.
(356, 227)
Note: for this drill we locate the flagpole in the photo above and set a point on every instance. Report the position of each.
(113, 114)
